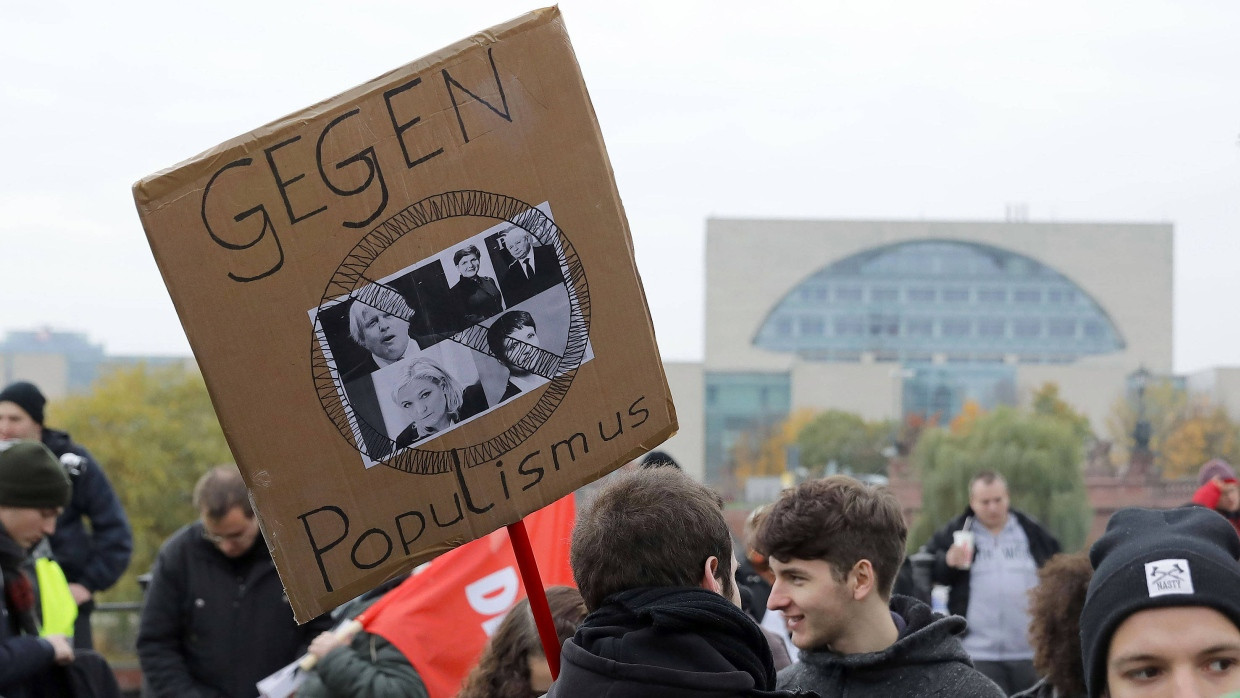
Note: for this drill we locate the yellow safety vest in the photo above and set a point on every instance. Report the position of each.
(56, 601)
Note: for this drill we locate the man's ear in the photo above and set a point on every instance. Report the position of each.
(861, 580)
(709, 581)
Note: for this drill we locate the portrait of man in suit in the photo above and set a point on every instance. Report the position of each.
(534, 268)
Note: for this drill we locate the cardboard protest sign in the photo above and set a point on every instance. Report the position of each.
(415, 306)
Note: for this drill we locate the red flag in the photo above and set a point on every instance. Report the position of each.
(442, 616)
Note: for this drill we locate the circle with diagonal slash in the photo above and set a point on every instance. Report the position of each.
(352, 273)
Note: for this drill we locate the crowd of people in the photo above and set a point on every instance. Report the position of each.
(814, 600)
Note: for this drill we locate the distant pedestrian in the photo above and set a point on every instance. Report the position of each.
(216, 620)
(93, 541)
(989, 556)
(1218, 489)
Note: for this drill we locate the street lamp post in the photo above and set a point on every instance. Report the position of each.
(1142, 457)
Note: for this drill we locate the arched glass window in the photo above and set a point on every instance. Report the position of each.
(910, 300)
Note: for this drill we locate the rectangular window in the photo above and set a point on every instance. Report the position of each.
(1063, 296)
(921, 295)
(992, 295)
(848, 294)
(1061, 327)
(783, 327)
(849, 327)
(884, 325)
(918, 327)
(992, 328)
(1026, 328)
(813, 327)
(1094, 329)
(956, 327)
(956, 295)
(884, 294)
(1027, 295)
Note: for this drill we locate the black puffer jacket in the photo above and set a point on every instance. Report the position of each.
(94, 557)
(23, 654)
(667, 643)
(213, 626)
(927, 661)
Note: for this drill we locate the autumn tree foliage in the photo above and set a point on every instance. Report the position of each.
(154, 432)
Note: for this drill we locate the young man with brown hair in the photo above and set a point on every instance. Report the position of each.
(835, 546)
(653, 559)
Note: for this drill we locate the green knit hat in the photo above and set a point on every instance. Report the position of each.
(31, 477)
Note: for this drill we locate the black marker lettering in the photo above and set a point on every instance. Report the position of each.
(400, 128)
(318, 551)
(373, 172)
(283, 184)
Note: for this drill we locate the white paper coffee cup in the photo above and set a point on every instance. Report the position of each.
(964, 539)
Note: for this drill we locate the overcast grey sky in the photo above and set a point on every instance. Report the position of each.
(1088, 111)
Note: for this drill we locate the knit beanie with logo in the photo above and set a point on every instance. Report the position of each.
(1156, 559)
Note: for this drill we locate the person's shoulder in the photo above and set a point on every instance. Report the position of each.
(183, 541)
(958, 680)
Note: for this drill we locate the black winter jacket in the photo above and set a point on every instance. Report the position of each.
(98, 556)
(1042, 545)
(213, 626)
(667, 643)
(927, 661)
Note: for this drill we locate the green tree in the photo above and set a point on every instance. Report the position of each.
(1039, 455)
(154, 432)
(1046, 401)
(1185, 431)
(854, 444)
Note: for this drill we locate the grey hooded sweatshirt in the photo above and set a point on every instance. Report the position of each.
(926, 661)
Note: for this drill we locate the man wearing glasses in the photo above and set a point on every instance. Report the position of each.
(216, 620)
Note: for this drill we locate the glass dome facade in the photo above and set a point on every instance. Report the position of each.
(910, 301)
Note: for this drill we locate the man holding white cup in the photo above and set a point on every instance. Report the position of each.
(989, 556)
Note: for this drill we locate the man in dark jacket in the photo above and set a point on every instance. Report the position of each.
(653, 560)
(215, 619)
(33, 487)
(93, 557)
(835, 546)
(990, 556)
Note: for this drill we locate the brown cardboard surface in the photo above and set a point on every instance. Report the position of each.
(268, 241)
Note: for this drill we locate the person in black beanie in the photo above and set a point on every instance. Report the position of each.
(95, 556)
(1162, 616)
(33, 487)
(653, 560)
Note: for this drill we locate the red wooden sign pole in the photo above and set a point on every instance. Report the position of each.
(537, 596)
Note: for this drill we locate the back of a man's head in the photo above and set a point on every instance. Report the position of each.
(649, 528)
(841, 520)
(219, 490)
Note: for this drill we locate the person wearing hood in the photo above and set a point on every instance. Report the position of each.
(1217, 489)
(653, 560)
(835, 546)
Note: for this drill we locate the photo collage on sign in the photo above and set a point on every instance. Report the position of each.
(444, 341)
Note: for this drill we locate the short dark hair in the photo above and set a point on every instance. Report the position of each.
(841, 520)
(986, 477)
(464, 251)
(219, 490)
(503, 326)
(1055, 621)
(649, 528)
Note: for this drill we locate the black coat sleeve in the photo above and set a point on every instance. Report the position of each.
(161, 632)
(111, 539)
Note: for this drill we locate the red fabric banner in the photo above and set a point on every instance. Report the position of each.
(442, 616)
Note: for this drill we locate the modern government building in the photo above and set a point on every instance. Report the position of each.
(892, 318)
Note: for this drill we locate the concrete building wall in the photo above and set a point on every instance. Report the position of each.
(48, 371)
(871, 390)
(1221, 385)
(688, 445)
